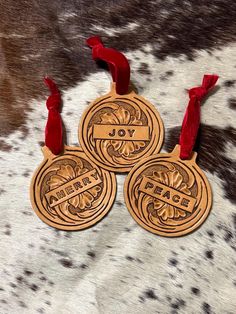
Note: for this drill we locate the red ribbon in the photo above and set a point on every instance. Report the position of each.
(191, 119)
(117, 62)
(53, 129)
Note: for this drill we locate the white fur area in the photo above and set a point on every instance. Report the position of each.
(170, 95)
(116, 266)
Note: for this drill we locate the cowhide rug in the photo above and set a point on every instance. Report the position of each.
(116, 266)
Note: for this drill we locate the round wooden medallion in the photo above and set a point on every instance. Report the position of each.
(117, 131)
(70, 192)
(168, 196)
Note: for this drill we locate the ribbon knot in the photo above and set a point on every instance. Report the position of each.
(54, 102)
(96, 44)
(53, 129)
(191, 119)
(198, 92)
(94, 41)
(117, 62)
(208, 83)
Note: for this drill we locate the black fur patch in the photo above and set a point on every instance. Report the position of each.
(50, 39)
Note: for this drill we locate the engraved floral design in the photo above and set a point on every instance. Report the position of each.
(123, 117)
(161, 209)
(80, 202)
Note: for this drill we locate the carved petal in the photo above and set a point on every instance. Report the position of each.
(56, 181)
(135, 121)
(157, 203)
(86, 199)
(109, 118)
(122, 115)
(179, 213)
(184, 188)
(67, 172)
(75, 201)
(127, 148)
(116, 144)
(147, 199)
(79, 171)
(95, 190)
(161, 176)
(138, 145)
(175, 179)
(167, 211)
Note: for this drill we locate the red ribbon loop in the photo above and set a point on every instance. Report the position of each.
(191, 119)
(117, 62)
(53, 129)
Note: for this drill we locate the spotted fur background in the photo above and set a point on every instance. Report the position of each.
(116, 266)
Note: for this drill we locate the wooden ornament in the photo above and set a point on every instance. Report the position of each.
(69, 192)
(168, 196)
(117, 131)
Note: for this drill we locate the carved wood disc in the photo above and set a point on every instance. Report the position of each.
(117, 131)
(168, 196)
(70, 192)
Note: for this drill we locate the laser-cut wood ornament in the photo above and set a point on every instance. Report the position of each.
(68, 191)
(167, 193)
(120, 128)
